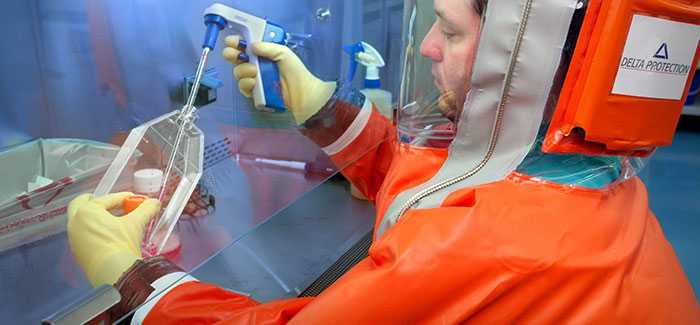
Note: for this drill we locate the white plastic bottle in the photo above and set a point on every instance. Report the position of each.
(381, 98)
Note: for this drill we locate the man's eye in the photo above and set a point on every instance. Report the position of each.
(448, 35)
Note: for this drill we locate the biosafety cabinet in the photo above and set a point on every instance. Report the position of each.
(270, 214)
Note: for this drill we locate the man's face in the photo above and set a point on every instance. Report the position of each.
(451, 45)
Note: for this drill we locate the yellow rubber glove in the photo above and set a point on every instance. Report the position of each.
(104, 245)
(304, 94)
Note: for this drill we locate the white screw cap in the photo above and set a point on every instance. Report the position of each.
(148, 181)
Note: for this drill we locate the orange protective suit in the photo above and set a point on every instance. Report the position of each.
(476, 239)
(513, 251)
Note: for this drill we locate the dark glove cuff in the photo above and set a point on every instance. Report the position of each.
(335, 117)
(326, 116)
(135, 284)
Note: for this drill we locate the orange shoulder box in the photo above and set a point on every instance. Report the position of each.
(628, 79)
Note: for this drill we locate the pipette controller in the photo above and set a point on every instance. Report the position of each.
(267, 95)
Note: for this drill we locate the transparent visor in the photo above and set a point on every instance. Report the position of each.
(440, 46)
(438, 54)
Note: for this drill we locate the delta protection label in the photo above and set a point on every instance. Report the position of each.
(658, 58)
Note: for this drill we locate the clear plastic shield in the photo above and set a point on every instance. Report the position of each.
(440, 42)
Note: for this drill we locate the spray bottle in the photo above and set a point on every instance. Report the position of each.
(366, 55)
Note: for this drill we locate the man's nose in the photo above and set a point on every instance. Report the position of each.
(431, 47)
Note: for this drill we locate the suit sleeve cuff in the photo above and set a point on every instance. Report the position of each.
(144, 281)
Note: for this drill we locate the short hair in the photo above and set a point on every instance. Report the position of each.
(480, 6)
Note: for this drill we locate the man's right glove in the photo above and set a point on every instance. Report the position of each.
(304, 94)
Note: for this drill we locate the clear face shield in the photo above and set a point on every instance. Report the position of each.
(440, 43)
(443, 103)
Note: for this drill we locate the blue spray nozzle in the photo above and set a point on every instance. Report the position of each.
(352, 50)
(215, 24)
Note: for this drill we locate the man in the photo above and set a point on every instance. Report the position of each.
(490, 231)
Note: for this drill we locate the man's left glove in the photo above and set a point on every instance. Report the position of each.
(104, 245)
